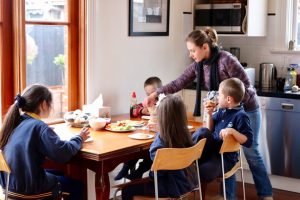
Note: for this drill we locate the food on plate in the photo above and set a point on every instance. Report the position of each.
(119, 126)
(77, 118)
(133, 123)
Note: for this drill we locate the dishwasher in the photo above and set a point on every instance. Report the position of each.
(281, 130)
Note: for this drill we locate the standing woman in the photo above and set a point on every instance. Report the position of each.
(26, 142)
(211, 66)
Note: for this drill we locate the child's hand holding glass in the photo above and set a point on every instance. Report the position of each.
(210, 103)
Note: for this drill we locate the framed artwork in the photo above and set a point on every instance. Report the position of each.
(149, 17)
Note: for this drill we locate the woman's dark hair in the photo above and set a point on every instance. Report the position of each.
(200, 37)
(172, 121)
(29, 101)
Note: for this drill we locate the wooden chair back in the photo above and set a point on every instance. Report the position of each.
(175, 159)
(230, 144)
(180, 157)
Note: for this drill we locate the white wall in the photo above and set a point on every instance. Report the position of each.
(119, 64)
(256, 50)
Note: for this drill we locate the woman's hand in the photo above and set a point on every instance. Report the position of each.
(84, 133)
(150, 100)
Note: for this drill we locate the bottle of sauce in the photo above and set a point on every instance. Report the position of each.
(133, 106)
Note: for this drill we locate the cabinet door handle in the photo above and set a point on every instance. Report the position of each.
(287, 106)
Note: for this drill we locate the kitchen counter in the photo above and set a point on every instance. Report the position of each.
(264, 93)
(279, 94)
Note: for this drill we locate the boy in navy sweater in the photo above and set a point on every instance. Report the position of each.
(229, 119)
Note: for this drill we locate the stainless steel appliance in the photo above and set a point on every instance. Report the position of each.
(280, 131)
(225, 17)
(267, 76)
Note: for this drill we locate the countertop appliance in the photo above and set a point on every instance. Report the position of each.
(267, 75)
(280, 131)
(225, 17)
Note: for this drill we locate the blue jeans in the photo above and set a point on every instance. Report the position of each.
(256, 164)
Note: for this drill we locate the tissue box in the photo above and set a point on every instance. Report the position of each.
(103, 112)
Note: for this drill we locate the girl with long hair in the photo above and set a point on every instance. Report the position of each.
(26, 142)
(173, 133)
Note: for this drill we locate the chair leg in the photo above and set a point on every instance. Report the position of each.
(243, 181)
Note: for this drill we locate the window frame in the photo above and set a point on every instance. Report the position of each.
(291, 22)
(14, 77)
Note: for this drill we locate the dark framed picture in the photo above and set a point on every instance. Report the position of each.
(149, 17)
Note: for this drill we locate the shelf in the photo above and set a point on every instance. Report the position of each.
(275, 51)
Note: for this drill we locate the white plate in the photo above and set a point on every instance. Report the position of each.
(120, 131)
(140, 136)
(190, 127)
(147, 117)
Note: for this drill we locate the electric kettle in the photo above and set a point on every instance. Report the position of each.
(267, 75)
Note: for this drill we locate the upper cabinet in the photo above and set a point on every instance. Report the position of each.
(232, 17)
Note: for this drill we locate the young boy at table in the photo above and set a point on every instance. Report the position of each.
(229, 119)
(150, 85)
(27, 141)
(172, 122)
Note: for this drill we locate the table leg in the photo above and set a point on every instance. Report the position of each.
(102, 185)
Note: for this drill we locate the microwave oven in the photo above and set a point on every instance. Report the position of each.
(225, 17)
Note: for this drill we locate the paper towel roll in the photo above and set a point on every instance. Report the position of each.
(251, 74)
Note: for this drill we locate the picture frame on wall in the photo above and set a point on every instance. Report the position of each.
(149, 17)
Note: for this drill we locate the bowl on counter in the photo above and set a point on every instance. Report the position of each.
(97, 123)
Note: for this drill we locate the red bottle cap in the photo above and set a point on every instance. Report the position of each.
(133, 95)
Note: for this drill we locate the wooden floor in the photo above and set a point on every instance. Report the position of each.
(213, 189)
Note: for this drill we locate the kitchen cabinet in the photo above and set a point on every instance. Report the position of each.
(256, 17)
(188, 6)
(189, 98)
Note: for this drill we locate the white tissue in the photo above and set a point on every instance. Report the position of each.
(98, 102)
(93, 108)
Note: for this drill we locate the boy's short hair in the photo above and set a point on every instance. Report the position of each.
(233, 87)
(153, 81)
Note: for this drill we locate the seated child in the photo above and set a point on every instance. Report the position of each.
(172, 120)
(229, 119)
(150, 85)
(27, 141)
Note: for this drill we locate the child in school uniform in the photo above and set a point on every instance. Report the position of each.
(173, 133)
(26, 142)
(129, 170)
(229, 119)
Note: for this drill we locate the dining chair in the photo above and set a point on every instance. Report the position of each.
(181, 158)
(230, 144)
(12, 195)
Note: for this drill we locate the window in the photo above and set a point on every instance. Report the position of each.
(48, 41)
(293, 22)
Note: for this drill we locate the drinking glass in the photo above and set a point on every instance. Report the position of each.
(210, 96)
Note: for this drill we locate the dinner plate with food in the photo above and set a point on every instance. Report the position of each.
(140, 136)
(120, 126)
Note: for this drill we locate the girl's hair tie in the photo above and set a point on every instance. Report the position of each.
(20, 101)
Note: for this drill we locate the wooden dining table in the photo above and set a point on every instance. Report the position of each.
(106, 151)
